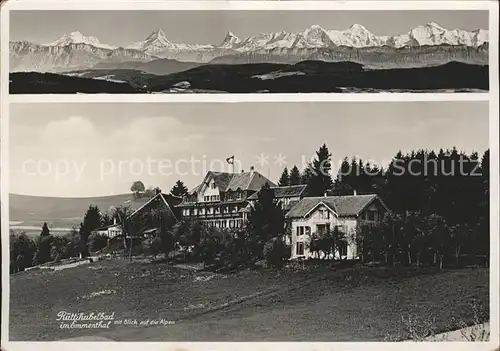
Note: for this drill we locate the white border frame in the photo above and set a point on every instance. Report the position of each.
(492, 97)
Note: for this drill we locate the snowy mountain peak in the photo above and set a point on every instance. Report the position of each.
(77, 37)
(434, 25)
(154, 43)
(433, 34)
(314, 36)
(229, 41)
(315, 28)
(157, 33)
(357, 28)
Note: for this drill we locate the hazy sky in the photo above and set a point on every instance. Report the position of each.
(209, 27)
(99, 149)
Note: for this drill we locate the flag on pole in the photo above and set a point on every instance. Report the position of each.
(230, 160)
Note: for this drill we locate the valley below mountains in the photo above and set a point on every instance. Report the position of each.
(83, 64)
(303, 77)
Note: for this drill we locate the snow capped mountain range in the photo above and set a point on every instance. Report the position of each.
(77, 51)
(315, 36)
(79, 38)
(157, 42)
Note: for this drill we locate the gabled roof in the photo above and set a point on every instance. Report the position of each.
(283, 191)
(195, 189)
(290, 205)
(168, 199)
(344, 206)
(222, 180)
(234, 181)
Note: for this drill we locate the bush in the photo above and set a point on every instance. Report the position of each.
(22, 252)
(44, 250)
(97, 242)
(276, 252)
(152, 246)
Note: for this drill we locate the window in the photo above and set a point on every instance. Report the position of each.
(372, 215)
(308, 231)
(202, 211)
(213, 185)
(195, 211)
(206, 198)
(217, 210)
(299, 251)
(300, 230)
(210, 210)
(324, 214)
(226, 209)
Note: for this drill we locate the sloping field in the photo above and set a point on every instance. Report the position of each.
(322, 304)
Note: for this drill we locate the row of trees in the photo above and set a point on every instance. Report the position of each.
(449, 183)
(26, 252)
(316, 175)
(414, 238)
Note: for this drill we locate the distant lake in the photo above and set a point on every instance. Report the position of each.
(36, 230)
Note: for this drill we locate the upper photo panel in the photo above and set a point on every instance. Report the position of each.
(248, 51)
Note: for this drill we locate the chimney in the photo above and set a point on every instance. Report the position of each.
(242, 171)
(354, 192)
(252, 170)
(325, 194)
(114, 220)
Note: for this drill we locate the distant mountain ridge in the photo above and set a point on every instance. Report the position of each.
(64, 212)
(26, 56)
(76, 51)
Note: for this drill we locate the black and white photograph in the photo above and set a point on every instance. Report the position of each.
(266, 221)
(245, 51)
(221, 175)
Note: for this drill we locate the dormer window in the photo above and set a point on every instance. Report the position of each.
(213, 185)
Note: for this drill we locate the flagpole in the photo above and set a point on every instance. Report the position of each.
(231, 163)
